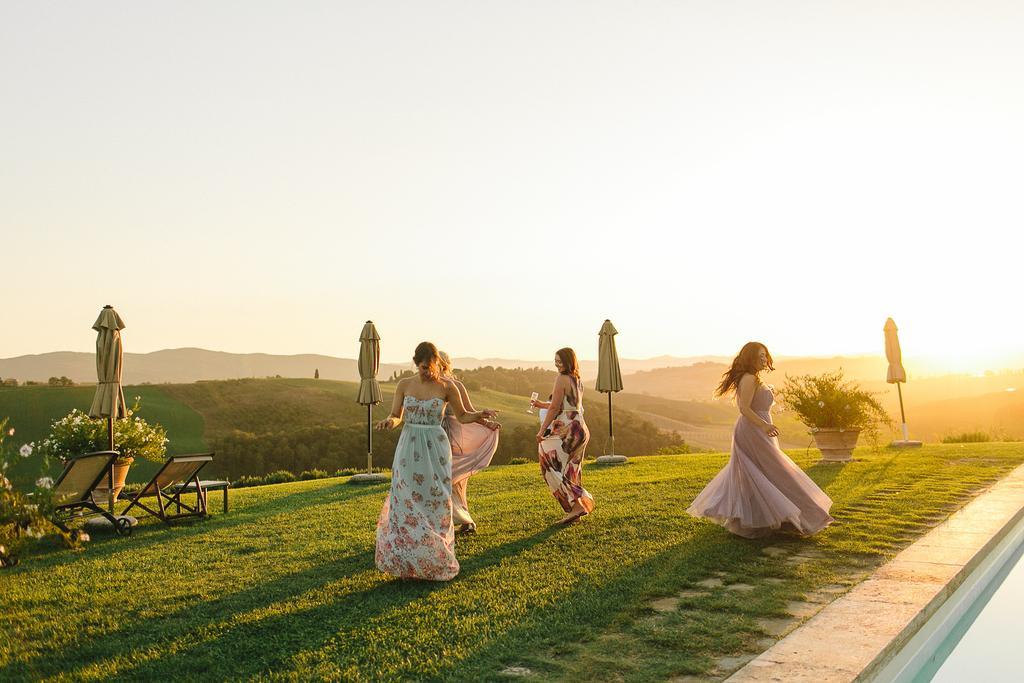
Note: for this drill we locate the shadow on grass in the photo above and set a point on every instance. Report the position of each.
(265, 643)
(155, 532)
(824, 474)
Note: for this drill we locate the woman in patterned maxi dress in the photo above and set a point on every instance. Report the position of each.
(562, 439)
(415, 536)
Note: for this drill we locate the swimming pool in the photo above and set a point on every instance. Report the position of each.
(977, 634)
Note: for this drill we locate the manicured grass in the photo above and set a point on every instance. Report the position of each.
(284, 587)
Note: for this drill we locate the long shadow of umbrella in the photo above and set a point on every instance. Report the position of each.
(265, 644)
(147, 535)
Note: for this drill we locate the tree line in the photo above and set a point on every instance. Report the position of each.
(61, 381)
(330, 448)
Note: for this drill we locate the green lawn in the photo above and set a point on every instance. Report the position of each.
(284, 587)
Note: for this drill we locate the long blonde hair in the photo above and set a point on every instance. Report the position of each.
(445, 365)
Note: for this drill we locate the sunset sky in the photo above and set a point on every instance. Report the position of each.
(502, 176)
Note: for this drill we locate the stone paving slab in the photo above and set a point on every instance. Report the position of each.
(908, 570)
(860, 631)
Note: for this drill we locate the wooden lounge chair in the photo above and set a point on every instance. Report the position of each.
(178, 475)
(73, 492)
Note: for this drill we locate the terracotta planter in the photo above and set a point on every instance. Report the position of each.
(120, 474)
(836, 445)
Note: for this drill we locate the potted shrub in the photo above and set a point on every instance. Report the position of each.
(24, 516)
(76, 433)
(836, 412)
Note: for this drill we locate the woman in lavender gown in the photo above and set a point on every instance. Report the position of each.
(562, 439)
(415, 536)
(473, 446)
(760, 490)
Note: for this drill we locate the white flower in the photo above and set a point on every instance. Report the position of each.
(83, 537)
(10, 432)
(821, 404)
(138, 398)
(25, 450)
(44, 483)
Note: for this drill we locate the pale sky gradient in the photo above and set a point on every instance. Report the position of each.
(502, 176)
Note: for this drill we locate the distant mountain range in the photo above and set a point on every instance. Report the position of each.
(179, 366)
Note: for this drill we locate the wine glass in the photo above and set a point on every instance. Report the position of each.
(533, 397)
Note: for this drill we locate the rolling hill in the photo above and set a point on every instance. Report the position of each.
(258, 425)
(179, 366)
(935, 406)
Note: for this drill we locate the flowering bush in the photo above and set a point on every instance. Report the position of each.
(24, 516)
(827, 402)
(77, 433)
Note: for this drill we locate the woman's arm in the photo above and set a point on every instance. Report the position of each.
(557, 394)
(744, 397)
(397, 406)
(464, 416)
(466, 403)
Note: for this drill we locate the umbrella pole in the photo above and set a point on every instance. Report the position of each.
(369, 438)
(611, 431)
(110, 472)
(903, 416)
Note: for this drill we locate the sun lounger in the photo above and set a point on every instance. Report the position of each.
(73, 492)
(177, 476)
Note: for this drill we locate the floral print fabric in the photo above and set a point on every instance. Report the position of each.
(415, 536)
(561, 455)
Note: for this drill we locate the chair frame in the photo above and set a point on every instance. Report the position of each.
(121, 525)
(172, 495)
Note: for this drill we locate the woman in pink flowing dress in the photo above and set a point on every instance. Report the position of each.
(415, 536)
(473, 446)
(562, 439)
(760, 490)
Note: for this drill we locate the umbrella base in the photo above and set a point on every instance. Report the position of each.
(905, 444)
(103, 524)
(365, 478)
(612, 460)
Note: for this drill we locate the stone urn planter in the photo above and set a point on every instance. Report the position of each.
(836, 445)
(101, 495)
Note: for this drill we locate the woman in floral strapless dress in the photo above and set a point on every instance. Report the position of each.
(415, 536)
(562, 439)
(760, 490)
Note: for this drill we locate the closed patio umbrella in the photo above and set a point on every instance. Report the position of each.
(108, 401)
(369, 392)
(897, 375)
(609, 380)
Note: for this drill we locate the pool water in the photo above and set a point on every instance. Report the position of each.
(987, 642)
